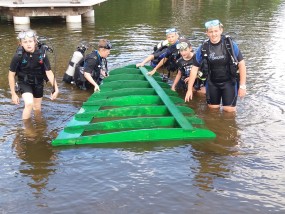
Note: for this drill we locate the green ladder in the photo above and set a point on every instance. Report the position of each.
(133, 107)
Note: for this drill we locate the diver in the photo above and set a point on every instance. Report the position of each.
(32, 67)
(165, 54)
(93, 68)
(184, 64)
(226, 70)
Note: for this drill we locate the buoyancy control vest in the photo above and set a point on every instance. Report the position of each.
(226, 67)
(31, 66)
(79, 79)
(184, 66)
(171, 64)
(159, 52)
(164, 50)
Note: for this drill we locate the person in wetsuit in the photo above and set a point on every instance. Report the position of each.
(165, 55)
(222, 85)
(95, 64)
(184, 64)
(32, 67)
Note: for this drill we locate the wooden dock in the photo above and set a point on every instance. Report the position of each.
(21, 10)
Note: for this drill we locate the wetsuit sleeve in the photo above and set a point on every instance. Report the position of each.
(171, 50)
(14, 63)
(161, 53)
(90, 65)
(47, 64)
(198, 57)
(237, 52)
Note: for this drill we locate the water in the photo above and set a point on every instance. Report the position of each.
(242, 170)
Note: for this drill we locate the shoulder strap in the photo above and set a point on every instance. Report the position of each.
(230, 48)
(92, 55)
(20, 52)
(104, 60)
(205, 49)
(42, 51)
(205, 65)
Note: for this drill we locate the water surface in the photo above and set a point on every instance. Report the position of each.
(242, 170)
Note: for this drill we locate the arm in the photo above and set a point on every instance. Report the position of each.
(12, 84)
(91, 80)
(242, 73)
(146, 60)
(161, 63)
(92, 65)
(176, 80)
(192, 77)
(53, 82)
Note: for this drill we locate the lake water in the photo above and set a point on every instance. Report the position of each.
(241, 171)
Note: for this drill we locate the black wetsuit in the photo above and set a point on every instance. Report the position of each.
(184, 66)
(93, 63)
(30, 69)
(170, 53)
(220, 85)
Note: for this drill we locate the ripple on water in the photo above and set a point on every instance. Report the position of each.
(241, 170)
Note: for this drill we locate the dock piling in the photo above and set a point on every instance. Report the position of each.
(23, 10)
(21, 20)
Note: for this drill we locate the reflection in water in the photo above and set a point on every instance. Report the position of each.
(36, 154)
(74, 26)
(244, 164)
(214, 157)
(89, 19)
(19, 28)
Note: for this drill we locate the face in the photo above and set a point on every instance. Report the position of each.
(214, 34)
(29, 44)
(172, 38)
(186, 53)
(104, 52)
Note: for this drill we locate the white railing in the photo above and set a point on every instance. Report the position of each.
(46, 1)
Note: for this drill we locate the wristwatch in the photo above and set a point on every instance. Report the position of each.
(242, 87)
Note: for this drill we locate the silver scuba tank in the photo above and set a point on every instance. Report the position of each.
(69, 73)
(76, 57)
(162, 43)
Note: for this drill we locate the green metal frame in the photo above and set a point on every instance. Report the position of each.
(133, 107)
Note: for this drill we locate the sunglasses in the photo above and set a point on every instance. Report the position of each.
(213, 23)
(182, 46)
(24, 34)
(107, 46)
(170, 30)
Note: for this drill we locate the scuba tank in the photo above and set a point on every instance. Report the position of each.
(76, 57)
(161, 45)
(159, 48)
